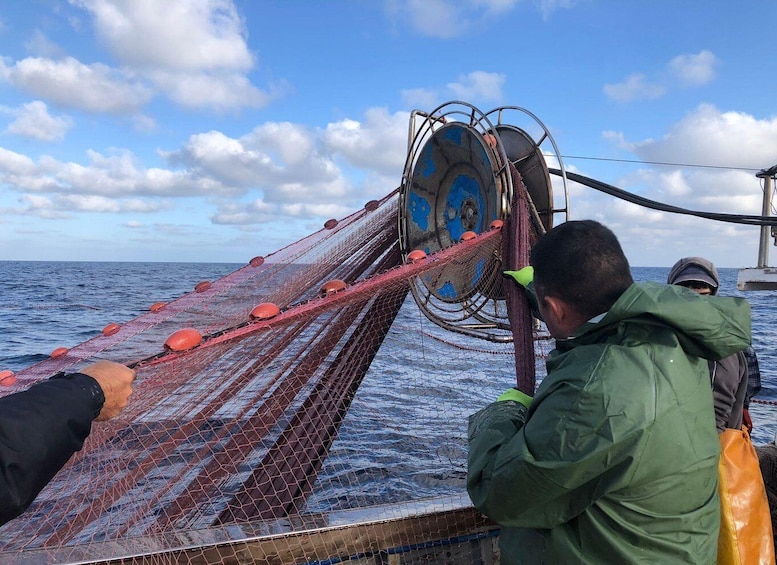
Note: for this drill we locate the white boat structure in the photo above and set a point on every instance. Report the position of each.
(762, 276)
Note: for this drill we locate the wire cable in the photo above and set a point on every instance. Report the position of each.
(745, 219)
(686, 165)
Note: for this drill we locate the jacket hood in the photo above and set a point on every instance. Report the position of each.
(711, 327)
(694, 269)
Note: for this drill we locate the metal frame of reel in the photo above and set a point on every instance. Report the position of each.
(459, 135)
(503, 126)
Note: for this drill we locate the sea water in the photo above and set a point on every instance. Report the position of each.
(46, 305)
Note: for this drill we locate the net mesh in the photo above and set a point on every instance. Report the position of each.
(334, 429)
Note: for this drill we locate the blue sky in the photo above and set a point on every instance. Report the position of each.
(218, 130)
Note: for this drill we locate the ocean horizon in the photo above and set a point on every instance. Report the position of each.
(52, 304)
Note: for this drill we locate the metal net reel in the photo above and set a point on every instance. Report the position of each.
(460, 175)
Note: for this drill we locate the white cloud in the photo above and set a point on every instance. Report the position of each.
(261, 212)
(179, 35)
(34, 121)
(113, 176)
(475, 87)
(421, 98)
(478, 85)
(41, 46)
(219, 91)
(629, 212)
(676, 184)
(255, 212)
(306, 210)
(547, 7)
(71, 84)
(301, 172)
(61, 206)
(618, 139)
(195, 51)
(685, 70)
(495, 6)
(708, 136)
(282, 169)
(142, 122)
(634, 87)
(435, 18)
(694, 70)
(444, 19)
(12, 163)
(99, 204)
(255, 161)
(379, 143)
(293, 143)
(41, 206)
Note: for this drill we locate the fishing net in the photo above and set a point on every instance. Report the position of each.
(332, 428)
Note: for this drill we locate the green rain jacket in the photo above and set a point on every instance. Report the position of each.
(616, 460)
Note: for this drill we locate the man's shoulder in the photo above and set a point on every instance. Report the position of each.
(601, 361)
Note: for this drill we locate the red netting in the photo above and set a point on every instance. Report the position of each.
(330, 430)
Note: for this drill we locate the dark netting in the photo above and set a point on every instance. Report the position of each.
(334, 428)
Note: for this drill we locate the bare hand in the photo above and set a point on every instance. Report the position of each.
(116, 382)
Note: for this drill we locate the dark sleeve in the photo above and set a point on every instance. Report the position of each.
(729, 385)
(753, 375)
(40, 429)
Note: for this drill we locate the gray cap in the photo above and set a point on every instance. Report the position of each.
(696, 269)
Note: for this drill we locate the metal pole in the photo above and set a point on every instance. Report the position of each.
(763, 245)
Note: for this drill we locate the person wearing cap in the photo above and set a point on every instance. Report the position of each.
(729, 376)
(745, 507)
(614, 459)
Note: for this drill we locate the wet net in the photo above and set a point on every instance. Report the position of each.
(332, 428)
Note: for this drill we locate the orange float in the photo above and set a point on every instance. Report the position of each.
(330, 224)
(59, 352)
(331, 287)
(7, 378)
(202, 286)
(416, 256)
(496, 225)
(111, 329)
(183, 340)
(256, 261)
(265, 311)
(157, 306)
(467, 235)
(490, 140)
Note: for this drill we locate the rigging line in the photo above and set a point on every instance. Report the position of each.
(749, 169)
(652, 204)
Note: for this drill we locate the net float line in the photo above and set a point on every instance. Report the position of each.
(416, 268)
(221, 294)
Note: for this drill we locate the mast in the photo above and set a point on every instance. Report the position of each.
(763, 246)
(762, 277)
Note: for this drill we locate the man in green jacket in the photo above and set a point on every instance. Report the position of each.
(615, 459)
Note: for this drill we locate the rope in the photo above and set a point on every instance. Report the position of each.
(477, 350)
(463, 348)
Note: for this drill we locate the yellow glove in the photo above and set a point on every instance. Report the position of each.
(523, 277)
(516, 396)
